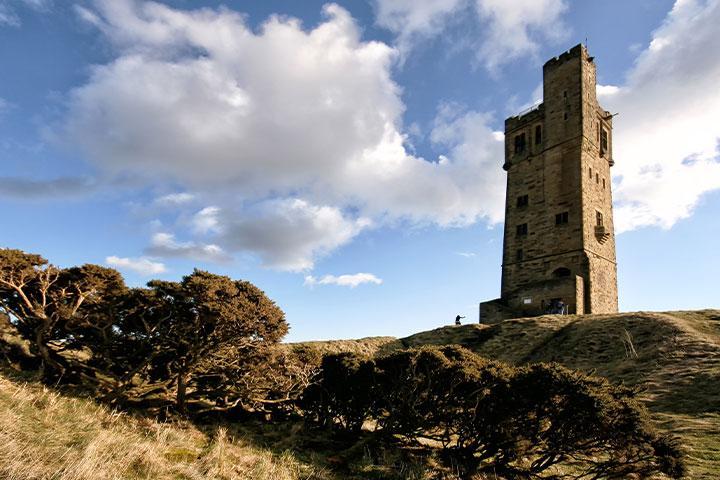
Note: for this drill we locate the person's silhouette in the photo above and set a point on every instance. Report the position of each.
(457, 319)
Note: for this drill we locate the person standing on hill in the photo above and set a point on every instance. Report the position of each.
(457, 319)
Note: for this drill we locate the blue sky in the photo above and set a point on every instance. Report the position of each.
(345, 157)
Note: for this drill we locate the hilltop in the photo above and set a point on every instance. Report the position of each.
(674, 357)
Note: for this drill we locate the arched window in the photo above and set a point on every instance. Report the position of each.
(561, 272)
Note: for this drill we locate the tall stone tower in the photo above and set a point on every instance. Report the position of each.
(559, 242)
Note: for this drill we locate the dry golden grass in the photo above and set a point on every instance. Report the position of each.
(365, 346)
(44, 435)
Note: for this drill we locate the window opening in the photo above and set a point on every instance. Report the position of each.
(522, 201)
(603, 141)
(561, 218)
(519, 255)
(522, 230)
(538, 135)
(520, 143)
(598, 219)
(561, 272)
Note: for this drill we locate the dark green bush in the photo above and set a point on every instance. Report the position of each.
(489, 417)
(343, 397)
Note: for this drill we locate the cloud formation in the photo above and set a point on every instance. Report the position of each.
(287, 234)
(174, 199)
(206, 220)
(293, 139)
(415, 20)
(351, 281)
(27, 188)
(506, 29)
(142, 265)
(295, 135)
(166, 245)
(667, 131)
(9, 16)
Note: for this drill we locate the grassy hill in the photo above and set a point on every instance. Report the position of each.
(45, 435)
(673, 356)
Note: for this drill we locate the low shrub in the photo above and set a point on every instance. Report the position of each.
(343, 396)
(528, 422)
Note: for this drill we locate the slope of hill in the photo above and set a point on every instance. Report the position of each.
(45, 435)
(673, 356)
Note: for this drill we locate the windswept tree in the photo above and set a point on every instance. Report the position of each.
(53, 307)
(179, 325)
(124, 344)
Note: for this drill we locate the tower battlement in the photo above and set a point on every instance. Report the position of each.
(575, 52)
(559, 242)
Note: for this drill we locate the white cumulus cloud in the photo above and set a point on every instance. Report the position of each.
(667, 131)
(294, 134)
(142, 265)
(351, 281)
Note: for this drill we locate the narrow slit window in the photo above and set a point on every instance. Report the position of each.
(538, 135)
(599, 219)
(603, 183)
(597, 178)
(561, 218)
(603, 141)
(519, 255)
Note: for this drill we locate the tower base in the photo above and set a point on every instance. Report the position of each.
(561, 296)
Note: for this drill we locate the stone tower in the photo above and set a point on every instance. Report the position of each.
(559, 242)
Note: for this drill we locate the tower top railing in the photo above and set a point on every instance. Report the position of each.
(529, 109)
